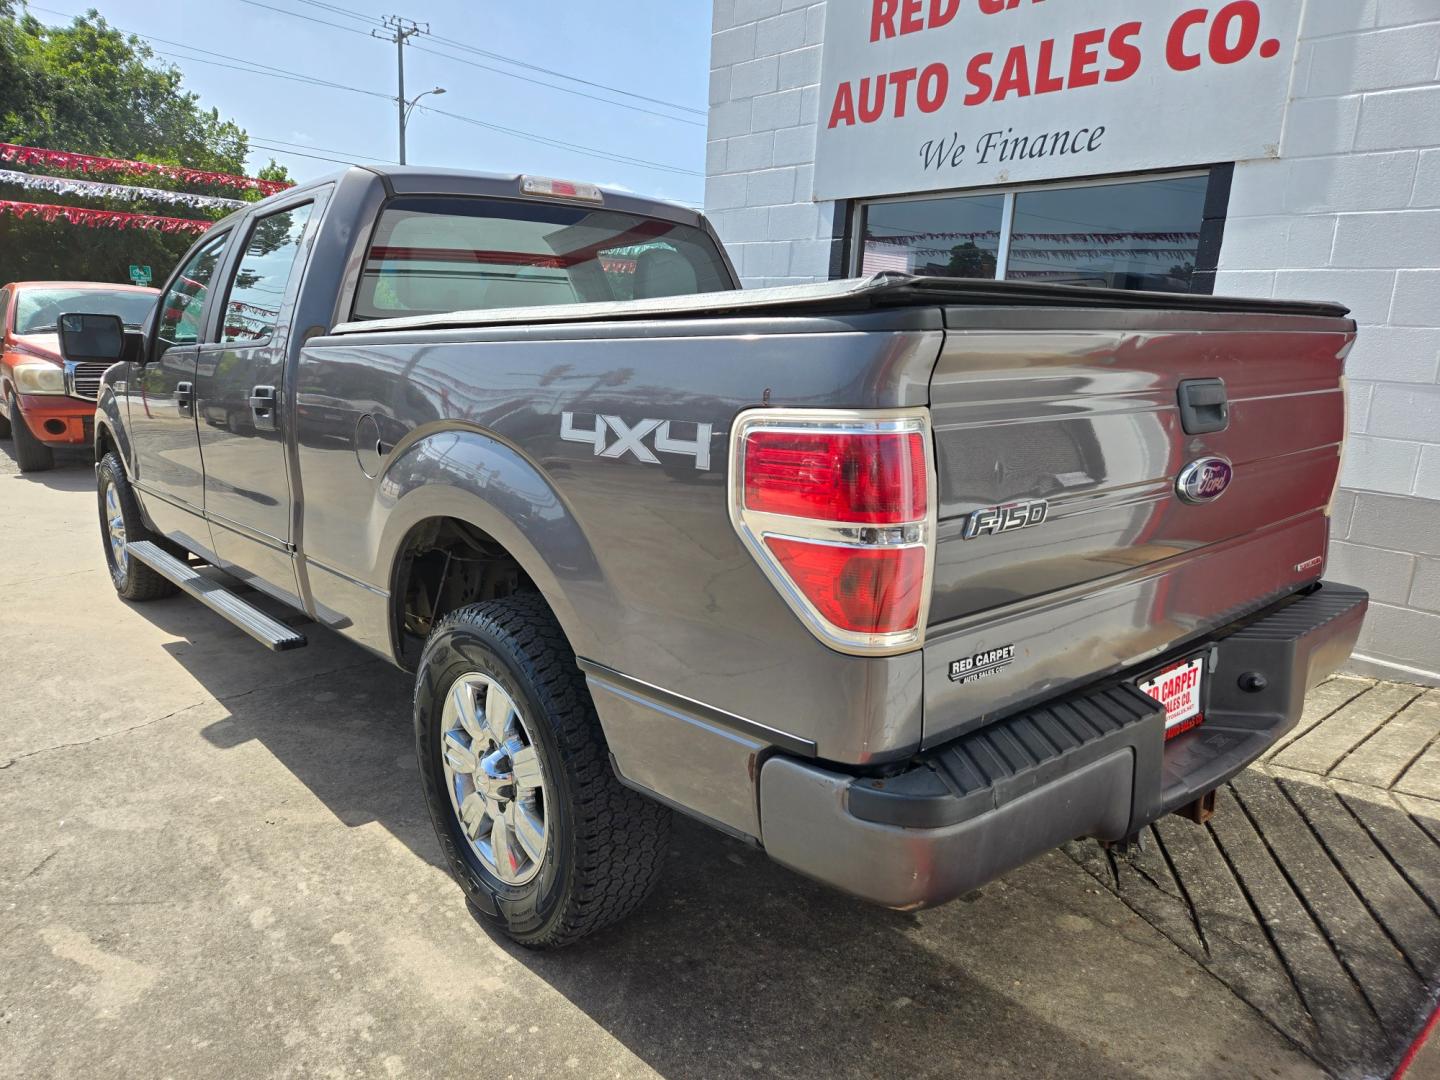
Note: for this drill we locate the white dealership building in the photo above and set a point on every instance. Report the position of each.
(1286, 148)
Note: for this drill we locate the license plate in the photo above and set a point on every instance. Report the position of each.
(1179, 689)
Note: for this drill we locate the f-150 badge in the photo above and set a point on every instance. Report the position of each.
(629, 439)
(1003, 519)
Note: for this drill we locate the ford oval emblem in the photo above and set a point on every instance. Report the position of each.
(1205, 480)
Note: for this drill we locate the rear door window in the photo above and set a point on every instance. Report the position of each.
(432, 255)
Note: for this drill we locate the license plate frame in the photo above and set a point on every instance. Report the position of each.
(1185, 703)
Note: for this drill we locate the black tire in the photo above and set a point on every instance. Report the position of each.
(30, 453)
(134, 580)
(606, 844)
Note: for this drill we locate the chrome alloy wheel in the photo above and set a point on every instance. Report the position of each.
(495, 779)
(115, 528)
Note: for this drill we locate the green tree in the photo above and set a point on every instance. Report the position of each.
(276, 171)
(88, 88)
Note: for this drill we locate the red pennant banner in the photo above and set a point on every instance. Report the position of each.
(63, 159)
(102, 219)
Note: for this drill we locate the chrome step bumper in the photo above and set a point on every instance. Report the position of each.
(1092, 763)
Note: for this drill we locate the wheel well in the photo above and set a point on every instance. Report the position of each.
(104, 441)
(444, 564)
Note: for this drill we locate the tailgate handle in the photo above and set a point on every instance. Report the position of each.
(1204, 408)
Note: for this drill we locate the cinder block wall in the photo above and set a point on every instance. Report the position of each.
(1350, 212)
(764, 100)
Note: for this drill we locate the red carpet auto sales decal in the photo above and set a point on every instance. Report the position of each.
(927, 94)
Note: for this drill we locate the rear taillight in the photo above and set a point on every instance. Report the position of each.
(838, 509)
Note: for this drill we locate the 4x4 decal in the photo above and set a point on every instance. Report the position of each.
(628, 439)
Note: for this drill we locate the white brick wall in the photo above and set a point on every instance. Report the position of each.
(764, 99)
(1350, 211)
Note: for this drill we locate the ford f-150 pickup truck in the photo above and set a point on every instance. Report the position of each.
(905, 580)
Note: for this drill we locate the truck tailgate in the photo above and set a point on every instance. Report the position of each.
(1075, 416)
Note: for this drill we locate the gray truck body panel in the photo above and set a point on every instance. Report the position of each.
(703, 677)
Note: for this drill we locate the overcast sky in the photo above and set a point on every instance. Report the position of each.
(655, 49)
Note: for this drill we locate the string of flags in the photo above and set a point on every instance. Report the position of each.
(60, 185)
(119, 167)
(101, 219)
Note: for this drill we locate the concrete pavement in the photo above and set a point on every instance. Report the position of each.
(216, 861)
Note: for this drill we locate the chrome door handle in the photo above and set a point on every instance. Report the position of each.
(184, 398)
(262, 407)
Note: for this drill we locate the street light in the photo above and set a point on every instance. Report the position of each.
(405, 116)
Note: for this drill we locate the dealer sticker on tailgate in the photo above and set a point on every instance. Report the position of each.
(1178, 688)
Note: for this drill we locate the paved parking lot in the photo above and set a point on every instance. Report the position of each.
(215, 861)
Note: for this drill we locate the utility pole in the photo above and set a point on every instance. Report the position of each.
(399, 31)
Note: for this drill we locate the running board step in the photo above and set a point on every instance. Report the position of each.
(270, 632)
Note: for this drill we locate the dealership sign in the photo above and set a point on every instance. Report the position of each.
(921, 95)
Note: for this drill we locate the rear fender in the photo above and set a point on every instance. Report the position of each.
(465, 473)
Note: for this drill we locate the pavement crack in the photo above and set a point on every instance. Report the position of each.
(1384, 849)
(1366, 904)
(308, 677)
(1306, 905)
(102, 736)
(1184, 892)
(1370, 735)
(1400, 777)
(40, 865)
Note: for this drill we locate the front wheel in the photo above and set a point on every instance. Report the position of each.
(546, 842)
(120, 526)
(30, 453)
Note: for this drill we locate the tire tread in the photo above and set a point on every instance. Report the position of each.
(141, 582)
(621, 837)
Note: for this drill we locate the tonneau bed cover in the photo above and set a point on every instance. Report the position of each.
(876, 292)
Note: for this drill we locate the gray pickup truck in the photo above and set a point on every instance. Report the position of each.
(905, 580)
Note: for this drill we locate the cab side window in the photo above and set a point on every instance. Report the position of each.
(183, 304)
(262, 275)
(4, 310)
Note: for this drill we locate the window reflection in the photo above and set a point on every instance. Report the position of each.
(954, 237)
(1133, 235)
(1119, 236)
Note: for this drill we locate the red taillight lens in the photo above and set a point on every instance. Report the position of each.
(864, 478)
(875, 590)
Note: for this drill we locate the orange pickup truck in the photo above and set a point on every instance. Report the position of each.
(44, 401)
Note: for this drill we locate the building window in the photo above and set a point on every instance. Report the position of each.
(949, 237)
(1136, 234)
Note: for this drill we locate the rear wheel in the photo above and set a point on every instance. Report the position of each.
(30, 453)
(547, 843)
(120, 526)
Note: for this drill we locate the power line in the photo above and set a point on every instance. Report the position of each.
(552, 86)
(307, 18)
(345, 155)
(453, 43)
(580, 148)
(306, 80)
(562, 75)
(251, 67)
(373, 20)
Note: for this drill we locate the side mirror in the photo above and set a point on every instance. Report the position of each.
(91, 339)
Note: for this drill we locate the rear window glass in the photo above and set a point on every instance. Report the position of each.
(435, 255)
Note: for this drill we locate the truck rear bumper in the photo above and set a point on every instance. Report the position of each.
(1093, 763)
